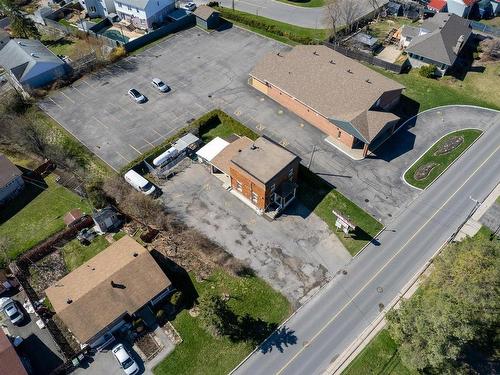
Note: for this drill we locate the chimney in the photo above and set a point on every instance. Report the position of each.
(459, 44)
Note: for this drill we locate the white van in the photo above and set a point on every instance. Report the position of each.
(139, 183)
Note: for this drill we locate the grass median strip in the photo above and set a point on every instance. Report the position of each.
(321, 198)
(305, 4)
(380, 356)
(439, 157)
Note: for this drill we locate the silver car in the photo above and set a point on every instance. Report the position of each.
(15, 314)
(160, 85)
(136, 96)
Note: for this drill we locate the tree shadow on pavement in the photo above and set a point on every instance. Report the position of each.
(280, 339)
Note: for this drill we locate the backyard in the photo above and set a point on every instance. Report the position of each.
(379, 357)
(37, 213)
(75, 254)
(439, 157)
(321, 198)
(201, 353)
(381, 28)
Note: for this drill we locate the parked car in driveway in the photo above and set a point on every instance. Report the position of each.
(190, 6)
(136, 96)
(125, 360)
(160, 85)
(13, 312)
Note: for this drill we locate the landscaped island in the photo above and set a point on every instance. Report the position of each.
(439, 157)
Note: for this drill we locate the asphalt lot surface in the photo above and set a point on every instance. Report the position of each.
(296, 253)
(38, 346)
(208, 71)
(346, 307)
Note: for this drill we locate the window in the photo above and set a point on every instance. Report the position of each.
(339, 134)
(239, 187)
(290, 172)
(273, 186)
(255, 197)
(129, 7)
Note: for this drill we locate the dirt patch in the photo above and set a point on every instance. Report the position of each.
(449, 145)
(148, 345)
(47, 271)
(423, 171)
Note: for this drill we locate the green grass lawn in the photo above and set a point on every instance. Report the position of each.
(75, 254)
(321, 198)
(283, 32)
(476, 89)
(306, 3)
(36, 214)
(63, 46)
(494, 22)
(442, 161)
(379, 357)
(200, 353)
(223, 126)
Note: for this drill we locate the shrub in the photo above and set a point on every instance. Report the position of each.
(176, 299)
(427, 71)
(117, 53)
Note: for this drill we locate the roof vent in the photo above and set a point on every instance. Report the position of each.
(315, 53)
(69, 301)
(349, 71)
(253, 147)
(332, 62)
(368, 80)
(34, 54)
(279, 54)
(136, 255)
(20, 43)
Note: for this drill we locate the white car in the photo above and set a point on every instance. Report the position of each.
(125, 360)
(189, 6)
(13, 312)
(160, 85)
(137, 96)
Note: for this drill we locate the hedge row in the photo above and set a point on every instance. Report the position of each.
(198, 127)
(251, 21)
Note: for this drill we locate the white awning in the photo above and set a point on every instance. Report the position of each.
(212, 149)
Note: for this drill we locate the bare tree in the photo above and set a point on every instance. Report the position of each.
(333, 15)
(375, 4)
(351, 11)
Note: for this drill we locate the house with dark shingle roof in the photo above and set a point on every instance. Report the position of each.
(346, 100)
(30, 64)
(10, 363)
(11, 180)
(439, 42)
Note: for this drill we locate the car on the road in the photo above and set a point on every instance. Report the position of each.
(190, 6)
(125, 360)
(13, 312)
(160, 85)
(136, 96)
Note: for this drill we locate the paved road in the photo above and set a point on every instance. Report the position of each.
(331, 321)
(306, 17)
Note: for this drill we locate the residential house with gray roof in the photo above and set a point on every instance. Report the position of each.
(144, 14)
(439, 41)
(30, 64)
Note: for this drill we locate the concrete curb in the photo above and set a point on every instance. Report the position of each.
(449, 165)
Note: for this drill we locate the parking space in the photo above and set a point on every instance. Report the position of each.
(37, 346)
(295, 253)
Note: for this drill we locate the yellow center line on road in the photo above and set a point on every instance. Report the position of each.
(383, 267)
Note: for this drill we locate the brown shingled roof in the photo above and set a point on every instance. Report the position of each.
(325, 80)
(10, 364)
(8, 171)
(204, 12)
(120, 279)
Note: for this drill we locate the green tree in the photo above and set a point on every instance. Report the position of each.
(21, 26)
(455, 309)
(213, 314)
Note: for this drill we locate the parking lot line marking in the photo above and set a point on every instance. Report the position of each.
(152, 145)
(128, 161)
(100, 122)
(81, 93)
(88, 84)
(136, 150)
(157, 133)
(52, 100)
(67, 97)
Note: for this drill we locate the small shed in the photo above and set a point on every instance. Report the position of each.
(211, 150)
(106, 220)
(367, 41)
(72, 217)
(207, 17)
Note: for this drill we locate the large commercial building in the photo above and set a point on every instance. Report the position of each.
(344, 99)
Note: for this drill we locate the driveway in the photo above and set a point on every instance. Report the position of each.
(295, 253)
(38, 346)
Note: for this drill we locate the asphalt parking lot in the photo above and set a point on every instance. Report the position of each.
(296, 253)
(208, 71)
